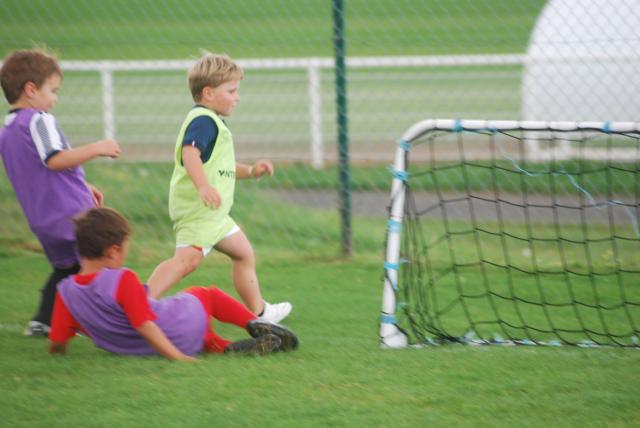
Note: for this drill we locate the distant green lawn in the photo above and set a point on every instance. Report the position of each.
(274, 114)
(338, 377)
(143, 29)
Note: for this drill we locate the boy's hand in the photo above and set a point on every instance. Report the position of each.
(98, 197)
(187, 359)
(260, 168)
(209, 196)
(109, 148)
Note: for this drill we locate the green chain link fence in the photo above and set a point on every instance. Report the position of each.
(125, 68)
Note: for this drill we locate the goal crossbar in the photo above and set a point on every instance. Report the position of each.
(396, 298)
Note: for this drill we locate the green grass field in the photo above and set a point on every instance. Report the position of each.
(339, 377)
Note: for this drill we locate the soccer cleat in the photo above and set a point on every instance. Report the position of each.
(255, 346)
(37, 329)
(260, 327)
(276, 312)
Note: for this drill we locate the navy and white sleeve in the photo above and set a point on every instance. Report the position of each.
(202, 133)
(46, 136)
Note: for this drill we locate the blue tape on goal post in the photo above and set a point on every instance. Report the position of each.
(394, 226)
(388, 319)
(391, 266)
(404, 145)
(606, 127)
(400, 175)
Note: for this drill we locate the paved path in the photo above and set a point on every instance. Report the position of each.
(483, 207)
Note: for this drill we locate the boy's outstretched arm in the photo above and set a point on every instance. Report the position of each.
(161, 343)
(258, 169)
(193, 164)
(63, 327)
(65, 159)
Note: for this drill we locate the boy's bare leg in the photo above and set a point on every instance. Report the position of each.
(245, 280)
(169, 272)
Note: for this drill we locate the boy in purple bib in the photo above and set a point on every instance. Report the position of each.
(108, 303)
(44, 170)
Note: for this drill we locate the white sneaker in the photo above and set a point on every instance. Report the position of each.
(36, 328)
(276, 312)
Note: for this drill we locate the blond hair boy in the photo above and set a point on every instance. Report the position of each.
(202, 188)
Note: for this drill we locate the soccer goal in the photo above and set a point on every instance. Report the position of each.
(505, 232)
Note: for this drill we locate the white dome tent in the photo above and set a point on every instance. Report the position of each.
(583, 62)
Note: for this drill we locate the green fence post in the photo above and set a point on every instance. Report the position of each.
(343, 135)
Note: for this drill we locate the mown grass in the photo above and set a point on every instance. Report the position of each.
(339, 376)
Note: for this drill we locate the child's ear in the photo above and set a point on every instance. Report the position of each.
(29, 88)
(112, 251)
(206, 92)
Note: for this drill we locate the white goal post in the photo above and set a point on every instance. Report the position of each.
(391, 335)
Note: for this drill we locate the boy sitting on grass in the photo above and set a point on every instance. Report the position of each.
(107, 302)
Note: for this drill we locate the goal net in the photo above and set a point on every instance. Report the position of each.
(504, 232)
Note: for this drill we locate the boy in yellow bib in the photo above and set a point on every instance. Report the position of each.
(202, 187)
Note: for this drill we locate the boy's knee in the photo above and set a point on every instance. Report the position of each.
(247, 254)
(189, 262)
(246, 257)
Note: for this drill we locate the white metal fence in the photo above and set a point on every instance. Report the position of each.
(386, 68)
(316, 116)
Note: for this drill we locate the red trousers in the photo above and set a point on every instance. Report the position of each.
(219, 305)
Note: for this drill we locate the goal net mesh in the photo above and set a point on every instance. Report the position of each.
(525, 233)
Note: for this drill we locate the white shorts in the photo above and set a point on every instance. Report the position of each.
(207, 250)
